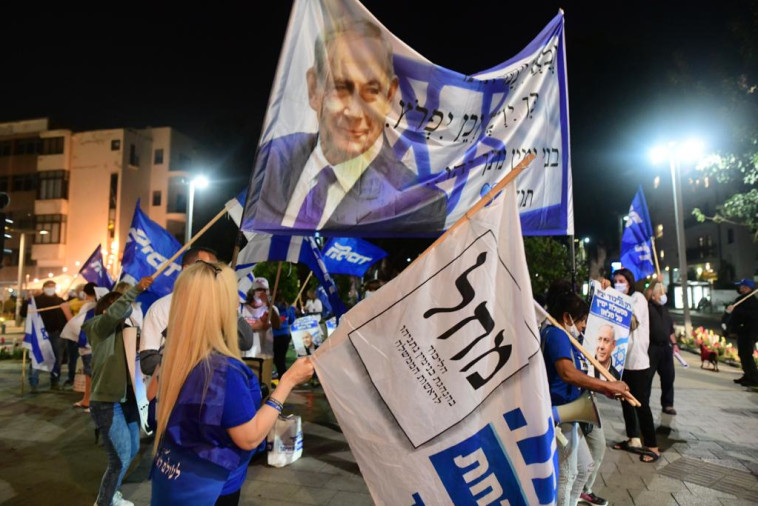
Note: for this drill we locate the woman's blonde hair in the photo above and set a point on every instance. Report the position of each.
(202, 320)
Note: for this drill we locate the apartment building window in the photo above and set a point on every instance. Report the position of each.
(26, 146)
(115, 144)
(184, 163)
(156, 198)
(24, 182)
(50, 229)
(52, 146)
(6, 148)
(158, 157)
(112, 201)
(53, 184)
(133, 157)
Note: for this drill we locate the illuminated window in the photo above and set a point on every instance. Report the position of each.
(662, 255)
(656, 182)
(659, 231)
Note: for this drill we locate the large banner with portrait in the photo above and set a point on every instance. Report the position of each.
(365, 137)
(441, 390)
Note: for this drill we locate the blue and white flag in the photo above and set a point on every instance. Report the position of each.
(148, 246)
(37, 341)
(94, 271)
(636, 242)
(350, 255)
(446, 366)
(244, 284)
(386, 143)
(296, 249)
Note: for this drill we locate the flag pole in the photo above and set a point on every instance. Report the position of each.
(276, 282)
(189, 243)
(655, 256)
(746, 298)
(302, 288)
(489, 197)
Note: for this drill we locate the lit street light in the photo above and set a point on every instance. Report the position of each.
(197, 182)
(675, 153)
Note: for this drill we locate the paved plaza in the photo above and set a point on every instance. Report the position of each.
(48, 454)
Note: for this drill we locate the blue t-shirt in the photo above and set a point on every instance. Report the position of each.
(556, 345)
(197, 461)
(287, 314)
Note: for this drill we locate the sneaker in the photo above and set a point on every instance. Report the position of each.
(118, 500)
(591, 498)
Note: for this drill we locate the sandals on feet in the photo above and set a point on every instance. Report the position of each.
(649, 456)
(81, 405)
(624, 445)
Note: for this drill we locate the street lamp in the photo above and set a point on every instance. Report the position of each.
(675, 153)
(197, 182)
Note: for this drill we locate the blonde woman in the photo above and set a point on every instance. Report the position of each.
(208, 417)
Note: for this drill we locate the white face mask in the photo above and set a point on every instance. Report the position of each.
(663, 299)
(573, 330)
(621, 287)
(49, 291)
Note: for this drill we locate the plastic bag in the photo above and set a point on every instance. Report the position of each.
(285, 441)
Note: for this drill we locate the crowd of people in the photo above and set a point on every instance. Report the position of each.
(651, 347)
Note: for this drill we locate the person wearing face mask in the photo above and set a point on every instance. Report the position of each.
(262, 316)
(54, 320)
(662, 346)
(638, 420)
(567, 380)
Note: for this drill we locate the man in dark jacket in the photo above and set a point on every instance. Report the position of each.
(744, 321)
(662, 346)
(54, 320)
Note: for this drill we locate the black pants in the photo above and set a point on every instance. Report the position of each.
(281, 345)
(662, 362)
(745, 347)
(639, 419)
(232, 499)
(72, 355)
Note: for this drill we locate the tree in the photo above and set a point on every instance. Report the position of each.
(289, 284)
(549, 259)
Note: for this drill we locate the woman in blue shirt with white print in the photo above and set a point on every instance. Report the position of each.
(208, 421)
(567, 381)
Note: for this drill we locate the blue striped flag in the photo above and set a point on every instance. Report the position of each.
(94, 271)
(37, 341)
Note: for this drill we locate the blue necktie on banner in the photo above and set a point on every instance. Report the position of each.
(94, 271)
(148, 245)
(349, 255)
(37, 341)
(636, 242)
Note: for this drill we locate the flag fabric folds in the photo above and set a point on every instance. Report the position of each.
(37, 341)
(350, 255)
(446, 366)
(148, 246)
(636, 241)
(427, 141)
(94, 271)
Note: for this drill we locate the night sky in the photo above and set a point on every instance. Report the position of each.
(636, 75)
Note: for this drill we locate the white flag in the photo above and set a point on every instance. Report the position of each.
(36, 340)
(438, 382)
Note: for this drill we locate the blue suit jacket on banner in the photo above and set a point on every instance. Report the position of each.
(385, 200)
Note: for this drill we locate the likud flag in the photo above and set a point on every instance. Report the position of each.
(636, 241)
(350, 255)
(148, 246)
(446, 366)
(37, 341)
(297, 249)
(94, 271)
(433, 140)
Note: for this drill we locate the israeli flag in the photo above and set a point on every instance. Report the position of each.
(94, 271)
(350, 255)
(244, 284)
(37, 341)
(148, 246)
(636, 242)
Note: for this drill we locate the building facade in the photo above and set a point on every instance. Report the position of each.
(70, 191)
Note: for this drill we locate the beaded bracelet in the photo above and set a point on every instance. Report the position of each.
(274, 404)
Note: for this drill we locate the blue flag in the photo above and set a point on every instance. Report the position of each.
(148, 245)
(94, 271)
(636, 242)
(297, 249)
(37, 341)
(349, 255)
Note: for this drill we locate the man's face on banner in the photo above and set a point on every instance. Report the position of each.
(353, 99)
(606, 343)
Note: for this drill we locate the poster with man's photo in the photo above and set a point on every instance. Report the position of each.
(607, 332)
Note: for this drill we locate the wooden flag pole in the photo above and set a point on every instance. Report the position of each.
(189, 243)
(302, 288)
(655, 256)
(489, 197)
(276, 283)
(607, 375)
